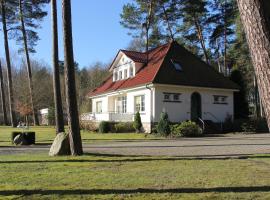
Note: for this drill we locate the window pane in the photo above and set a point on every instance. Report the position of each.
(142, 103)
(125, 73)
(99, 107)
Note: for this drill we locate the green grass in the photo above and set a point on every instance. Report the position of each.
(46, 135)
(38, 176)
(112, 177)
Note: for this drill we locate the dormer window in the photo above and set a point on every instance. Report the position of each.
(176, 65)
(125, 73)
(115, 76)
(131, 71)
(120, 75)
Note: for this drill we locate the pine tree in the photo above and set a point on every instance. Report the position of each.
(255, 18)
(8, 13)
(72, 108)
(59, 118)
(3, 98)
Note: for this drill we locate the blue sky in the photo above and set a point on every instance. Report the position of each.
(97, 33)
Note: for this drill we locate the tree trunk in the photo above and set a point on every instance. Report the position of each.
(168, 23)
(3, 99)
(9, 74)
(201, 39)
(29, 70)
(225, 40)
(72, 107)
(59, 120)
(255, 18)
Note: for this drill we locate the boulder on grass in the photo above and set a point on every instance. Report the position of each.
(60, 146)
(20, 140)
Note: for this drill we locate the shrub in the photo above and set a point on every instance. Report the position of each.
(175, 130)
(248, 127)
(88, 125)
(261, 125)
(137, 124)
(163, 127)
(189, 129)
(124, 127)
(104, 127)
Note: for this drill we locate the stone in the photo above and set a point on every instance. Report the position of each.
(60, 146)
(20, 140)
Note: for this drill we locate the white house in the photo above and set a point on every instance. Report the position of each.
(165, 79)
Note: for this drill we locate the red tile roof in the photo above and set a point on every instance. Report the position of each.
(159, 69)
(143, 76)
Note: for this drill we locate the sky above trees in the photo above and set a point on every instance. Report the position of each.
(97, 33)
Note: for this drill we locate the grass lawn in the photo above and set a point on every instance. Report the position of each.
(38, 176)
(46, 135)
(113, 177)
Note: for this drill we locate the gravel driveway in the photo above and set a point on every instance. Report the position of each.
(222, 146)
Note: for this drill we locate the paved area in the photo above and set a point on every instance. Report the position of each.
(222, 146)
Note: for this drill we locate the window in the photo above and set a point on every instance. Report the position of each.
(176, 97)
(177, 65)
(115, 76)
(131, 72)
(99, 107)
(125, 74)
(172, 97)
(167, 97)
(121, 104)
(140, 103)
(218, 99)
(120, 75)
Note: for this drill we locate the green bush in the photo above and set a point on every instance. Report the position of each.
(261, 125)
(104, 127)
(163, 127)
(89, 126)
(124, 127)
(175, 130)
(137, 124)
(189, 129)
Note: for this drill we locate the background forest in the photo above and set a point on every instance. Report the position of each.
(211, 29)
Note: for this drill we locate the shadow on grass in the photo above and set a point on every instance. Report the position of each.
(137, 191)
(133, 159)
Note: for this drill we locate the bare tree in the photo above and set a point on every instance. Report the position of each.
(59, 119)
(255, 18)
(72, 107)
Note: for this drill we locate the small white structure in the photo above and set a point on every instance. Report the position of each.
(166, 79)
(44, 116)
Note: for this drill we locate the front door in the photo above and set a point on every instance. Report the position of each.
(196, 107)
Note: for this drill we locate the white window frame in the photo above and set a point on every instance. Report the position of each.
(140, 107)
(98, 106)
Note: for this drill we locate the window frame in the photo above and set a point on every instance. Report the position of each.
(141, 103)
(98, 107)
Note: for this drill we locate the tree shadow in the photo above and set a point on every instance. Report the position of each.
(133, 159)
(244, 189)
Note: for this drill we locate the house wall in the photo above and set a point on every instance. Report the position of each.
(108, 105)
(181, 111)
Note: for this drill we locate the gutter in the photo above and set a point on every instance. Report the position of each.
(151, 104)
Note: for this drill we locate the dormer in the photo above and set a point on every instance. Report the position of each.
(125, 65)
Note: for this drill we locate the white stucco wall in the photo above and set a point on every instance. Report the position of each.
(177, 111)
(181, 111)
(108, 102)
